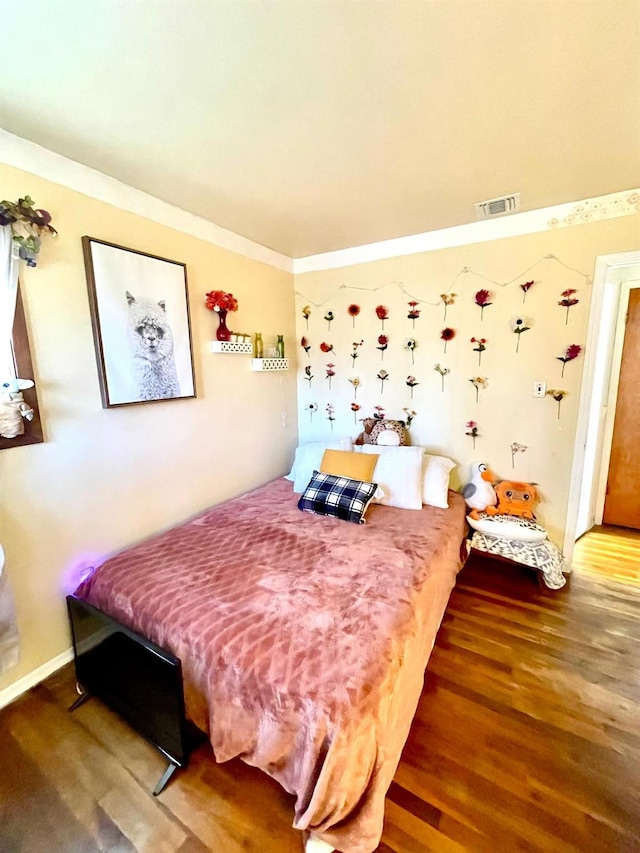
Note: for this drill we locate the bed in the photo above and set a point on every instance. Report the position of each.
(303, 639)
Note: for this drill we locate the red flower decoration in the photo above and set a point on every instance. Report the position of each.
(383, 314)
(353, 311)
(526, 287)
(482, 300)
(326, 347)
(447, 335)
(383, 342)
(304, 343)
(218, 300)
(571, 352)
(414, 312)
(568, 299)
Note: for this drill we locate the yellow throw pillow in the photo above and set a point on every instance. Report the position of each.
(346, 463)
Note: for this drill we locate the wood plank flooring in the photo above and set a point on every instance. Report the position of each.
(527, 738)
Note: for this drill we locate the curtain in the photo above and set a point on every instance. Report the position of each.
(8, 296)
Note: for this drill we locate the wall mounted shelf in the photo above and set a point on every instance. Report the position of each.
(242, 348)
(270, 364)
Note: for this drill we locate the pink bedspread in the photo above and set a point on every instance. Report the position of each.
(303, 639)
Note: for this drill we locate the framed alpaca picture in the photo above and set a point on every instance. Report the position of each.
(141, 327)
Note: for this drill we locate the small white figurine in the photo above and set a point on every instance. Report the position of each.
(13, 407)
(479, 493)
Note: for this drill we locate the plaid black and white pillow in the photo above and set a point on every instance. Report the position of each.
(339, 497)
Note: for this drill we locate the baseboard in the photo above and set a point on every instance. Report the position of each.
(10, 693)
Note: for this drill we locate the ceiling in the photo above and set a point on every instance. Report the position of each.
(314, 125)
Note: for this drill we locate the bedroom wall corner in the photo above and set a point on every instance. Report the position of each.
(506, 412)
(106, 478)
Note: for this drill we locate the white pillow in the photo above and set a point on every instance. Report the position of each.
(522, 530)
(308, 458)
(436, 471)
(398, 472)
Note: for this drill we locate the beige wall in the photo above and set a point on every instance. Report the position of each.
(507, 411)
(105, 478)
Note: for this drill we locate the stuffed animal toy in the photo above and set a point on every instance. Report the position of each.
(515, 499)
(383, 432)
(13, 407)
(479, 494)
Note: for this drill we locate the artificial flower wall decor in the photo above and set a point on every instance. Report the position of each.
(28, 225)
(446, 312)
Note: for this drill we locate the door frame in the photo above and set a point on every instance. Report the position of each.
(594, 412)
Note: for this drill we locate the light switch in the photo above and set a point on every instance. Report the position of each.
(539, 389)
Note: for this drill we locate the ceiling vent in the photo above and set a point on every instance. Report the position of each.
(498, 206)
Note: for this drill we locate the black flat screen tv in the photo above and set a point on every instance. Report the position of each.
(136, 678)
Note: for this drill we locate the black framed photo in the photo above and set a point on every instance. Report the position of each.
(141, 326)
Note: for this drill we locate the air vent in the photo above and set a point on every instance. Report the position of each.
(498, 206)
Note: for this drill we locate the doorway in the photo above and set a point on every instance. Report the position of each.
(615, 276)
(622, 493)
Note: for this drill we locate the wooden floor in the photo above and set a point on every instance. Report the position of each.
(527, 738)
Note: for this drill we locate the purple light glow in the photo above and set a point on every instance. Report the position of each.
(78, 571)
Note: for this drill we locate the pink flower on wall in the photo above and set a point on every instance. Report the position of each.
(480, 347)
(382, 314)
(330, 373)
(354, 350)
(355, 408)
(482, 298)
(414, 312)
(412, 382)
(378, 413)
(472, 431)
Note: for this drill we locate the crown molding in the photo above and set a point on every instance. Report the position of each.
(545, 219)
(31, 157)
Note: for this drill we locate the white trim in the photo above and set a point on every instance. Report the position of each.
(599, 341)
(546, 219)
(10, 693)
(30, 157)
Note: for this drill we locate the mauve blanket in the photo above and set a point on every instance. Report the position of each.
(303, 639)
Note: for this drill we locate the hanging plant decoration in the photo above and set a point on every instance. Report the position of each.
(516, 448)
(313, 408)
(448, 299)
(479, 382)
(354, 350)
(443, 371)
(571, 352)
(518, 326)
(382, 376)
(412, 382)
(472, 431)
(330, 373)
(526, 287)
(447, 335)
(558, 396)
(482, 298)
(567, 301)
(325, 347)
(382, 314)
(378, 413)
(306, 346)
(481, 345)
(308, 375)
(306, 313)
(330, 410)
(353, 311)
(411, 344)
(329, 317)
(28, 224)
(355, 381)
(410, 415)
(383, 343)
(414, 312)
(355, 408)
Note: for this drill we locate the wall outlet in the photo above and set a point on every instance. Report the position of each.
(539, 389)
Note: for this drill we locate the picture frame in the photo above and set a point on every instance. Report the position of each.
(141, 325)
